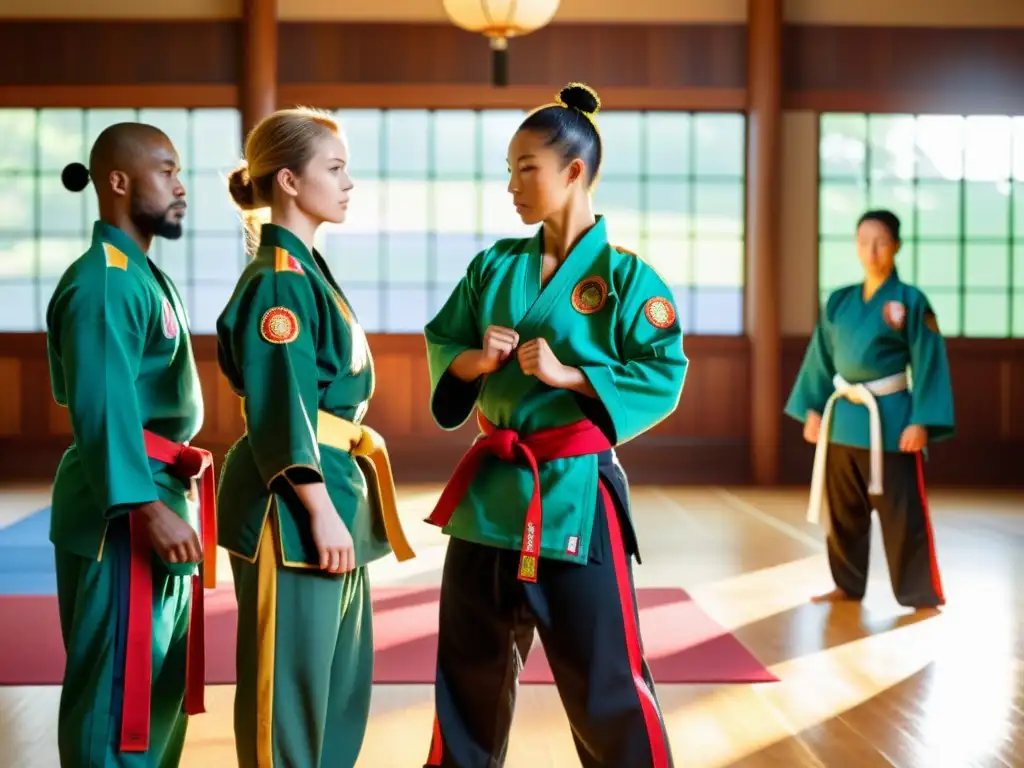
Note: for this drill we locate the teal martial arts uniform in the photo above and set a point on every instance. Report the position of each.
(872, 369)
(121, 361)
(538, 510)
(292, 347)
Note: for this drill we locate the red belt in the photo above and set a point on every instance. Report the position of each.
(187, 463)
(580, 438)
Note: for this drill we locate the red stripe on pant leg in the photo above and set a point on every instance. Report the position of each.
(932, 557)
(655, 736)
(436, 745)
(138, 664)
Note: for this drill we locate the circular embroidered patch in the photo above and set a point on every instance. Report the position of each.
(589, 295)
(170, 321)
(894, 314)
(659, 312)
(279, 325)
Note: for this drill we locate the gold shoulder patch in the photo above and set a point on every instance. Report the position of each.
(115, 258)
(931, 322)
(626, 251)
(285, 262)
(659, 312)
(279, 325)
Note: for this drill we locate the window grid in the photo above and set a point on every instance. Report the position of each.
(59, 227)
(963, 242)
(691, 227)
(373, 289)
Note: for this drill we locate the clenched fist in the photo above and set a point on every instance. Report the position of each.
(173, 539)
(498, 345)
(537, 359)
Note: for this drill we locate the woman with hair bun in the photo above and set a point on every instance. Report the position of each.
(567, 346)
(306, 498)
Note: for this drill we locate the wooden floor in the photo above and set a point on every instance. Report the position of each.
(861, 686)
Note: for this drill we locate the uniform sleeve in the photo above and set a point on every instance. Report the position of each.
(932, 393)
(102, 334)
(644, 387)
(275, 343)
(454, 330)
(813, 385)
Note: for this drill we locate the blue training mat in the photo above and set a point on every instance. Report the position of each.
(26, 557)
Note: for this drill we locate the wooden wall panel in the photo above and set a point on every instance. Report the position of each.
(988, 391)
(903, 69)
(826, 68)
(705, 441)
(670, 55)
(119, 52)
(10, 403)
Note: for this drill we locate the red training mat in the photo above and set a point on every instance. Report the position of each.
(682, 643)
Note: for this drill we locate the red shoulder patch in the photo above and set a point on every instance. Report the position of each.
(659, 312)
(279, 325)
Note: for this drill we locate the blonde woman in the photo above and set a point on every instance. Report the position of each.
(306, 495)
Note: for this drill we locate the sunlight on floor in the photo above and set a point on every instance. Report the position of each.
(860, 685)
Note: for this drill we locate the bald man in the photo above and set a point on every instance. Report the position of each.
(125, 523)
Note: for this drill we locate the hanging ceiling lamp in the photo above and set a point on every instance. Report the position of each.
(498, 20)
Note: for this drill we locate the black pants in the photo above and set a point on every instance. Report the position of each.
(587, 619)
(906, 525)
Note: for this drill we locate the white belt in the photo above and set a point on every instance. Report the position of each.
(862, 394)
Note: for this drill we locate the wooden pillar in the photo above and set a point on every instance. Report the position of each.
(764, 185)
(258, 94)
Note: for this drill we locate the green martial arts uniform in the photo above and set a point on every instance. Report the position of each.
(543, 480)
(604, 311)
(872, 369)
(291, 346)
(121, 361)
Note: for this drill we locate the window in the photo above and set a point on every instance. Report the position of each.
(957, 184)
(431, 192)
(43, 227)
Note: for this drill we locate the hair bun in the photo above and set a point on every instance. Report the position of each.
(580, 96)
(241, 189)
(75, 177)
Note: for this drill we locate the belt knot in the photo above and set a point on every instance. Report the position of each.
(191, 462)
(503, 443)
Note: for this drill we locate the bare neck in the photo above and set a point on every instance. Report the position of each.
(873, 281)
(123, 221)
(562, 232)
(296, 222)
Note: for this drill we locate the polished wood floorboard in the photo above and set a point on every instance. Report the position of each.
(861, 685)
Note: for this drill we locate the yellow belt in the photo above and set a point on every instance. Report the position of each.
(362, 442)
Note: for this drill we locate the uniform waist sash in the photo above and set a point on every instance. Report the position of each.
(581, 438)
(861, 394)
(189, 464)
(363, 442)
